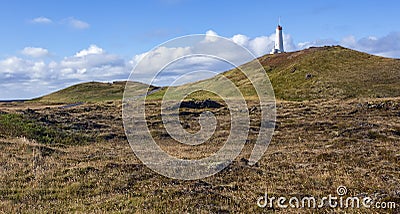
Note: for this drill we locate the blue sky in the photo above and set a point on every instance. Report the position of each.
(47, 45)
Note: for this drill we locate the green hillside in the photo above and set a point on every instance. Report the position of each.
(319, 73)
(89, 92)
(332, 72)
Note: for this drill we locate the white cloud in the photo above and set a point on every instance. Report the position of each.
(190, 56)
(76, 23)
(348, 41)
(316, 43)
(41, 20)
(240, 39)
(153, 61)
(35, 52)
(262, 44)
(387, 46)
(17, 69)
(33, 77)
(211, 36)
(93, 63)
(93, 49)
(71, 21)
(11, 66)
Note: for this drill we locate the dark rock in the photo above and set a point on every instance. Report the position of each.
(376, 105)
(46, 119)
(175, 182)
(109, 136)
(200, 104)
(253, 109)
(87, 170)
(396, 132)
(29, 111)
(353, 112)
(186, 126)
(244, 160)
(63, 114)
(112, 165)
(309, 76)
(201, 183)
(184, 113)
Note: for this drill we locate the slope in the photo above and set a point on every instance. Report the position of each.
(318, 73)
(89, 92)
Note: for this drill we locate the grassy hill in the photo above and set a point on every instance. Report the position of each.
(319, 73)
(89, 92)
(314, 73)
(332, 72)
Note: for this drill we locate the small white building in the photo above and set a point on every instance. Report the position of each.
(278, 48)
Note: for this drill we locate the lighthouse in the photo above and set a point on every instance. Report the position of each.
(278, 48)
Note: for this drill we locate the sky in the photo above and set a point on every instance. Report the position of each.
(48, 45)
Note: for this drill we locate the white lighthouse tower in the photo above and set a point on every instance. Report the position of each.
(278, 48)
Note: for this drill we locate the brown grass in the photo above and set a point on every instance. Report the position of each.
(317, 146)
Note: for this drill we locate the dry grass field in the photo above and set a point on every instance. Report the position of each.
(85, 164)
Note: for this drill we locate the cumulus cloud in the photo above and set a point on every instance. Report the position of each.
(93, 49)
(199, 53)
(92, 63)
(70, 21)
(263, 44)
(16, 69)
(160, 57)
(35, 52)
(186, 59)
(76, 23)
(33, 77)
(240, 39)
(148, 64)
(41, 20)
(211, 36)
(387, 46)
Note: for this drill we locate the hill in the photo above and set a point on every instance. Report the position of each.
(320, 73)
(332, 72)
(89, 92)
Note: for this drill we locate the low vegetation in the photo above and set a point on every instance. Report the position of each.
(317, 146)
(29, 126)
